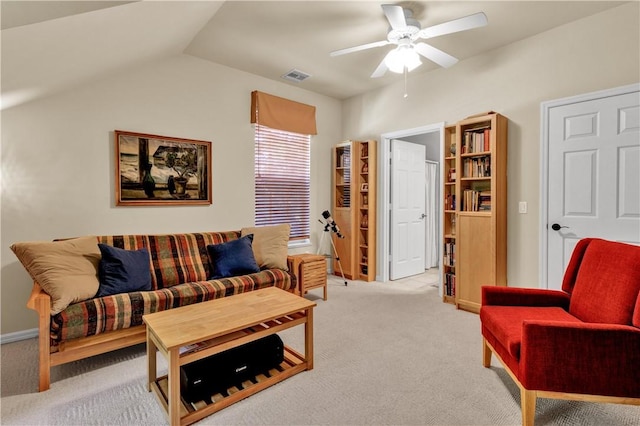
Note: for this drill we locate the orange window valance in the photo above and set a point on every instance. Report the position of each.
(282, 114)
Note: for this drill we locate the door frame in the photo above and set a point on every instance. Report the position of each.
(384, 176)
(545, 112)
(439, 210)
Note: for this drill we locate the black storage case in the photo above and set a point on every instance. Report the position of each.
(201, 379)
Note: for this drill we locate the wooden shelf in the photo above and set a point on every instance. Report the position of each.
(481, 234)
(366, 248)
(449, 215)
(247, 318)
(466, 213)
(192, 412)
(357, 220)
(474, 242)
(475, 154)
(343, 206)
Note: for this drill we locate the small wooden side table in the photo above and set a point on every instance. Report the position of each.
(311, 270)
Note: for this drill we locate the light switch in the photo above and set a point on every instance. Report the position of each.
(522, 207)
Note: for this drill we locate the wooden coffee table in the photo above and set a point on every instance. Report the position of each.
(189, 333)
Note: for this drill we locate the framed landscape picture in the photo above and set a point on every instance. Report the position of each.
(156, 170)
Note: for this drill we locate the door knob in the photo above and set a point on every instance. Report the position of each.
(557, 227)
(422, 216)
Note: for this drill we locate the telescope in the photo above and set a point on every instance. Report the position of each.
(331, 223)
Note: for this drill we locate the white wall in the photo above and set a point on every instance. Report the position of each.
(58, 159)
(595, 53)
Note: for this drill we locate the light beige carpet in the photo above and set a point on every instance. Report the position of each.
(384, 354)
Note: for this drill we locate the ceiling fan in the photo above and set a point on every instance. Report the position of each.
(405, 33)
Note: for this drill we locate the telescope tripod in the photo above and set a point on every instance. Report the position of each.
(335, 252)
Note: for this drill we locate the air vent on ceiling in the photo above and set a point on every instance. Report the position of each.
(296, 75)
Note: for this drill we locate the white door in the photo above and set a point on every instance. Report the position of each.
(407, 209)
(594, 175)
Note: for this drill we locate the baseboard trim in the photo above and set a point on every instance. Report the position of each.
(18, 335)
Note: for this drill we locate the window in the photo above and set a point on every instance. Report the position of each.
(283, 179)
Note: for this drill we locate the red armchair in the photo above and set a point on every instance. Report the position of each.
(582, 343)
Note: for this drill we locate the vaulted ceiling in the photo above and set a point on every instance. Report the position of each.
(49, 46)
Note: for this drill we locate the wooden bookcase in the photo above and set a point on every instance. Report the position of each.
(449, 216)
(477, 225)
(354, 209)
(343, 207)
(366, 189)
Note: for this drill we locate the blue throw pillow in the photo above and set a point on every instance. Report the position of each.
(232, 258)
(122, 271)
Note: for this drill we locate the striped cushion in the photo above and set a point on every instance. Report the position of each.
(175, 258)
(103, 314)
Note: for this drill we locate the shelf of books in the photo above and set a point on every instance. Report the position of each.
(475, 166)
(479, 249)
(343, 176)
(366, 187)
(343, 212)
(354, 208)
(449, 216)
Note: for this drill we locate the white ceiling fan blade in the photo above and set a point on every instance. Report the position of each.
(382, 68)
(467, 23)
(436, 55)
(358, 48)
(395, 16)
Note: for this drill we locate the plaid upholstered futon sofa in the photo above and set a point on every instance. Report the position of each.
(82, 323)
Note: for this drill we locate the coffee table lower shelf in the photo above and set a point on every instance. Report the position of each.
(293, 363)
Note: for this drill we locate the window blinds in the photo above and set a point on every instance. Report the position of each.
(282, 179)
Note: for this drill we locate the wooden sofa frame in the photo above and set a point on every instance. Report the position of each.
(85, 347)
(528, 397)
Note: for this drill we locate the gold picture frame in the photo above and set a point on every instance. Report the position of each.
(154, 170)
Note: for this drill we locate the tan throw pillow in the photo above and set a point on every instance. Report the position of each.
(66, 270)
(270, 245)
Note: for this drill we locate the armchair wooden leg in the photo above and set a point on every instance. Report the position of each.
(486, 353)
(528, 406)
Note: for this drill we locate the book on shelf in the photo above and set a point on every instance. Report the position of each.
(477, 166)
(476, 140)
(449, 255)
(484, 201)
(475, 200)
(343, 158)
(450, 202)
(449, 284)
(487, 139)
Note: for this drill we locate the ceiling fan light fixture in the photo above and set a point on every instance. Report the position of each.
(404, 32)
(401, 57)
